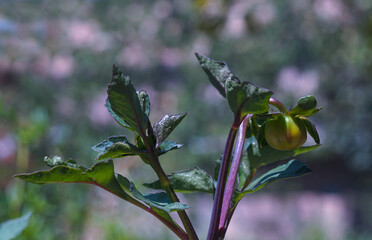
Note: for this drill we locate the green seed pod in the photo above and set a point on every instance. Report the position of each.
(285, 133)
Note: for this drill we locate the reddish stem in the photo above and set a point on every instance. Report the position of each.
(226, 204)
(165, 183)
(216, 212)
(222, 231)
(278, 105)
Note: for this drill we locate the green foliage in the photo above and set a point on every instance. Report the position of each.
(306, 107)
(253, 143)
(165, 126)
(58, 161)
(295, 35)
(311, 129)
(246, 98)
(159, 201)
(217, 72)
(167, 146)
(124, 102)
(256, 157)
(100, 174)
(269, 155)
(243, 97)
(144, 102)
(188, 181)
(12, 228)
(291, 169)
(131, 110)
(116, 117)
(116, 147)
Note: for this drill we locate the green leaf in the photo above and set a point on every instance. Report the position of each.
(247, 98)
(218, 72)
(12, 228)
(124, 102)
(270, 155)
(252, 141)
(311, 129)
(100, 174)
(242, 97)
(144, 102)
(167, 146)
(244, 171)
(157, 200)
(306, 107)
(217, 167)
(291, 169)
(187, 181)
(160, 197)
(116, 117)
(54, 161)
(57, 161)
(115, 147)
(165, 126)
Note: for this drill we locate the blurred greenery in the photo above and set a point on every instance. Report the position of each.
(56, 60)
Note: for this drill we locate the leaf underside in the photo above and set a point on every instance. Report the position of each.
(269, 155)
(311, 129)
(165, 126)
(167, 146)
(291, 169)
(158, 201)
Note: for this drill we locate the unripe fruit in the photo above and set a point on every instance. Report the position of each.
(285, 133)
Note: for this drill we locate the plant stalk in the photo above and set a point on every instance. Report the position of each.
(222, 231)
(278, 105)
(165, 183)
(216, 211)
(230, 185)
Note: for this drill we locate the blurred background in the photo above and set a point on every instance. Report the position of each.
(55, 63)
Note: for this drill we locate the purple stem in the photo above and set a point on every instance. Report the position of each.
(226, 204)
(216, 212)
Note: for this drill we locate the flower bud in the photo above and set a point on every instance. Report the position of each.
(285, 132)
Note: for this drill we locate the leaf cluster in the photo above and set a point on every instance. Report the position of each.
(131, 109)
(246, 98)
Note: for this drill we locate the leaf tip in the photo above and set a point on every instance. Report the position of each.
(17, 175)
(201, 58)
(183, 115)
